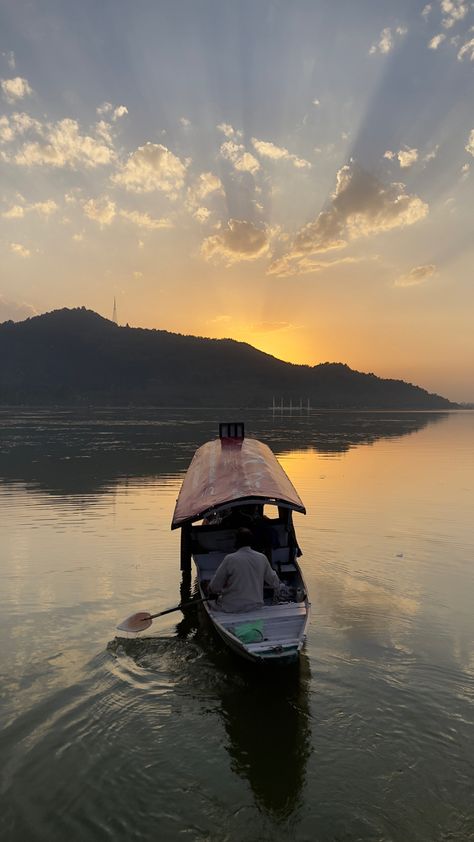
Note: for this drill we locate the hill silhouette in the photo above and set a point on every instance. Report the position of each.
(76, 357)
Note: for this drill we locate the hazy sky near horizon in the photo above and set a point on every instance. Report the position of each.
(297, 175)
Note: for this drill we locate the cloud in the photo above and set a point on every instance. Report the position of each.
(467, 50)
(386, 40)
(241, 159)
(102, 210)
(152, 167)
(15, 212)
(45, 208)
(269, 327)
(426, 11)
(430, 156)
(63, 145)
(436, 41)
(276, 153)
(202, 214)
(455, 10)
(329, 150)
(15, 311)
(406, 157)
(6, 131)
(118, 112)
(289, 265)
(239, 240)
(229, 131)
(17, 124)
(105, 108)
(10, 57)
(144, 220)
(417, 275)
(224, 317)
(115, 113)
(18, 248)
(206, 184)
(470, 143)
(72, 196)
(16, 88)
(104, 131)
(316, 102)
(361, 205)
(384, 44)
(185, 122)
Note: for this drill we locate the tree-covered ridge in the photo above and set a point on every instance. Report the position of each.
(70, 357)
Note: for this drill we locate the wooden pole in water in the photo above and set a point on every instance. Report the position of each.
(185, 549)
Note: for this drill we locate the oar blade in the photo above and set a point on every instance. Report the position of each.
(136, 622)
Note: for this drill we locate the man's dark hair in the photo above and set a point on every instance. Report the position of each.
(243, 538)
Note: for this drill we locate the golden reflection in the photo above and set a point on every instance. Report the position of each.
(364, 609)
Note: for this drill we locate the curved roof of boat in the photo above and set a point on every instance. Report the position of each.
(228, 471)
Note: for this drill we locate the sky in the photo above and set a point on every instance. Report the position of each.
(296, 174)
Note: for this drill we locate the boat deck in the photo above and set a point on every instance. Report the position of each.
(282, 624)
(281, 611)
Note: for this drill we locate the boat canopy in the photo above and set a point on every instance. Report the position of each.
(226, 472)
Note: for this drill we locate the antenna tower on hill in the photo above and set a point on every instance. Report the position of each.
(114, 316)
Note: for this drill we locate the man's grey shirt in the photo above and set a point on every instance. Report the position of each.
(240, 578)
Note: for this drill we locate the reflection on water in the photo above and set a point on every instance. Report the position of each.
(169, 736)
(265, 716)
(267, 722)
(79, 452)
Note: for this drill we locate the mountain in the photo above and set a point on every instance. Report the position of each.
(71, 357)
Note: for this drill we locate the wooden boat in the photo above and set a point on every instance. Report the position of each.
(230, 480)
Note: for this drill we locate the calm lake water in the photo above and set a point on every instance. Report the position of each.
(171, 738)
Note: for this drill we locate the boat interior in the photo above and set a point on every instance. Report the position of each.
(281, 621)
(273, 536)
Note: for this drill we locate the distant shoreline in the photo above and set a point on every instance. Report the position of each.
(227, 409)
(77, 359)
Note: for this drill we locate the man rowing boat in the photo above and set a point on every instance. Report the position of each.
(241, 576)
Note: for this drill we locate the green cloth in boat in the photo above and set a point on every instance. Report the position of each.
(251, 632)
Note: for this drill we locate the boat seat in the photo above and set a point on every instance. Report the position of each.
(208, 563)
(281, 561)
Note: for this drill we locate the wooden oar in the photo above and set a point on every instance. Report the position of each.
(142, 619)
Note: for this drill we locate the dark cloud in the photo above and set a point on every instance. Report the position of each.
(361, 205)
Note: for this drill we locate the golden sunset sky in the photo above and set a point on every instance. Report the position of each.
(297, 175)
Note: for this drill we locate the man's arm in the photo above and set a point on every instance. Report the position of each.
(270, 577)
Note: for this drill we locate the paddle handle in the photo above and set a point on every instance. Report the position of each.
(178, 607)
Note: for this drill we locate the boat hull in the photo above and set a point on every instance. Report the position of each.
(278, 649)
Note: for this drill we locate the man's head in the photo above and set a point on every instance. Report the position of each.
(243, 538)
